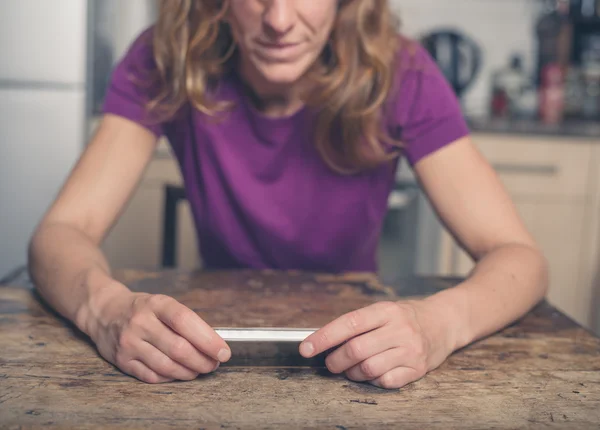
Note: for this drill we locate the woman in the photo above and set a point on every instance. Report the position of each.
(287, 118)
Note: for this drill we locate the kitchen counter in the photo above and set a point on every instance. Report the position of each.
(575, 129)
(541, 371)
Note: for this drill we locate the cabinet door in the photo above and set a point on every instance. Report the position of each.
(549, 182)
(459, 263)
(537, 167)
(558, 228)
(188, 256)
(136, 239)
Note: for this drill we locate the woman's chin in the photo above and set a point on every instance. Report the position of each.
(283, 73)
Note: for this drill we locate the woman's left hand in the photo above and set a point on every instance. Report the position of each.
(388, 344)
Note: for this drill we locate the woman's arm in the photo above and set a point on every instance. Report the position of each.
(65, 261)
(391, 344)
(510, 275)
(152, 337)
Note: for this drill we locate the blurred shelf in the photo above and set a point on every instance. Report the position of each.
(569, 128)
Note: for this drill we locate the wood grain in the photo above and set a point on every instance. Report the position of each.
(543, 371)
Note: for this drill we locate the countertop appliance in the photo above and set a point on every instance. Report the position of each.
(458, 56)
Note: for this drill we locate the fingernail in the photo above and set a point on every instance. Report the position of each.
(217, 366)
(223, 355)
(307, 349)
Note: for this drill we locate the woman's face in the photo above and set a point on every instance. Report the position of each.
(281, 39)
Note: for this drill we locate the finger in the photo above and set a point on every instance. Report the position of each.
(345, 327)
(397, 378)
(377, 365)
(163, 365)
(189, 325)
(178, 348)
(361, 348)
(140, 371)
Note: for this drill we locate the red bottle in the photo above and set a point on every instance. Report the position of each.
(552, 94)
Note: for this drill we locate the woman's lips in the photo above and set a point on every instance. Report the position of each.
(279, 50)
(276, 45)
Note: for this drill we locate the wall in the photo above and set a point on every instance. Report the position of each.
(485, 21)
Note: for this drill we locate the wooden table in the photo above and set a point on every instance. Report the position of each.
(541, 372)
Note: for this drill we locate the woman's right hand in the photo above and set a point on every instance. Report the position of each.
(152, 337)
(156, 339)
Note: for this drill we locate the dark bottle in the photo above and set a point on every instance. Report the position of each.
(587, 8)
(555, 36)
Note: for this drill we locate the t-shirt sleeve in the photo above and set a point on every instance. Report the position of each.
(426, 114)
(129, 88)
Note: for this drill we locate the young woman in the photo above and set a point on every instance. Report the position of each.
(287, 118)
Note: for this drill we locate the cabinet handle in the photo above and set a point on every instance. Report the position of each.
(526, 169)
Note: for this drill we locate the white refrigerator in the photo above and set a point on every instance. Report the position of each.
(55, 60)
(43, 110)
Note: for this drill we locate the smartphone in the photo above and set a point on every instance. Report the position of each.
(269, 346)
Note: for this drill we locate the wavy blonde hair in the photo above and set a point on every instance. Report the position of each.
(193, 47)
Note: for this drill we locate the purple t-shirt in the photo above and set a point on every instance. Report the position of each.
(260, 194)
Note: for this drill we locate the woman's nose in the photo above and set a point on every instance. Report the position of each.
(280, 16)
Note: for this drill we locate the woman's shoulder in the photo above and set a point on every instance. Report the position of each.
(139, 55)
(413, 67)
(421, 106)
(417, 80)
(410, 54)
(130, 85)
(136, 66)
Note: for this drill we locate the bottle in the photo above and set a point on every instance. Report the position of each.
(555, 36)
(552, 94)
(591, 95)
(588, 8)
(499, 105)
(508, 85)
(574, 92)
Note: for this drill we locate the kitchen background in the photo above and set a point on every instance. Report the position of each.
(527, 73)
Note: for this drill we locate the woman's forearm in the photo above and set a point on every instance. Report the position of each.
(504, 285)
(70, 272)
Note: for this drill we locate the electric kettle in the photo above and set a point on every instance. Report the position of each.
(458, 56)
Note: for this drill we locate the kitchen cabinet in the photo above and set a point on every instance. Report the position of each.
(136, 239)
(591, 252)
(553, 182)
